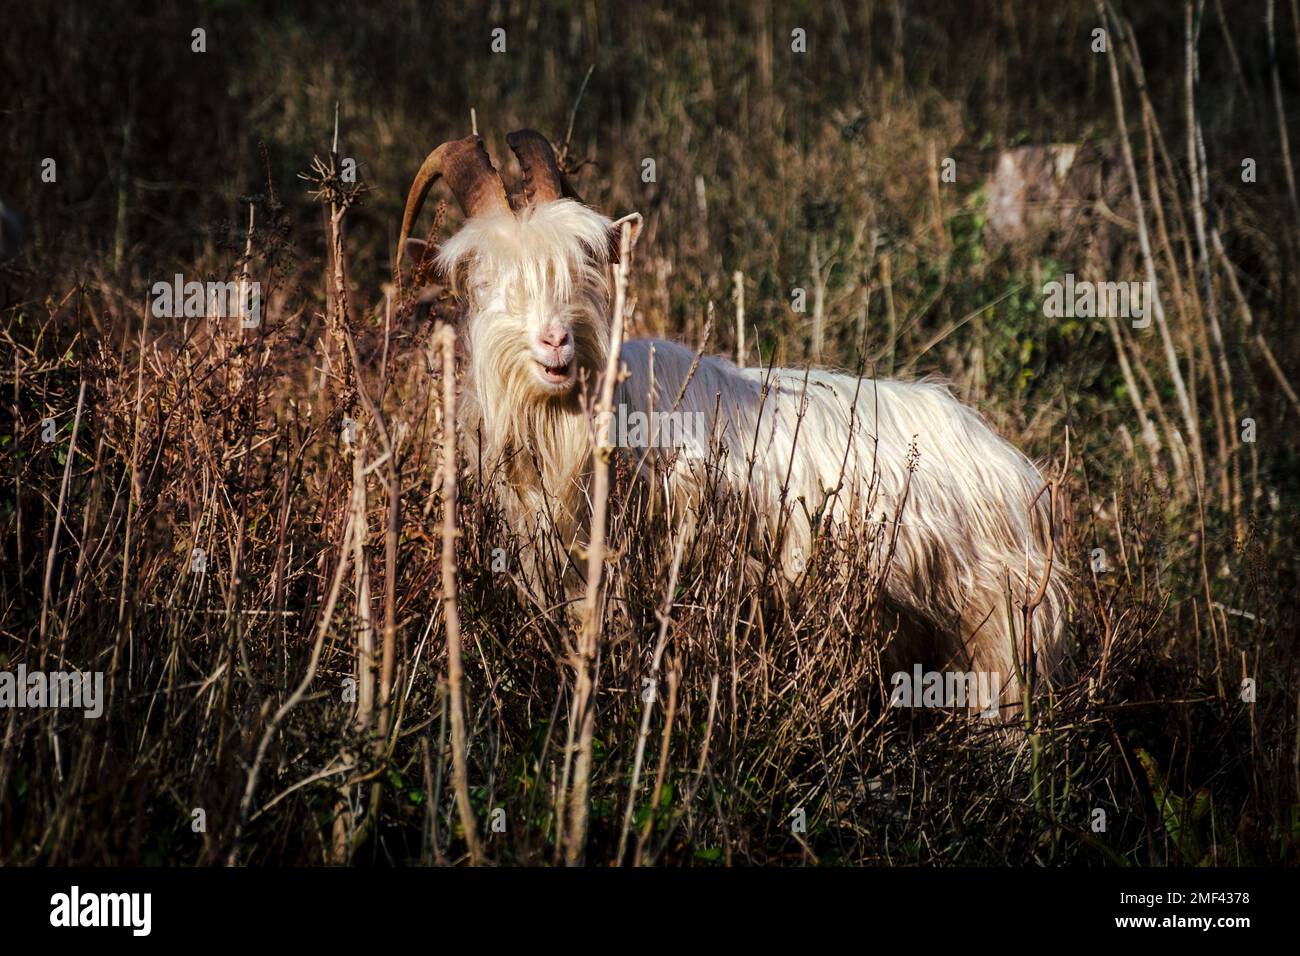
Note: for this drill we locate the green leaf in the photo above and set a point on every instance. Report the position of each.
(1180, 818)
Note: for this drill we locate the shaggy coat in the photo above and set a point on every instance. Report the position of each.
(971, 536)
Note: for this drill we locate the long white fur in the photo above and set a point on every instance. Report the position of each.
(969, 531)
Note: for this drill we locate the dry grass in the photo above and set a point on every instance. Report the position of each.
(299, 690)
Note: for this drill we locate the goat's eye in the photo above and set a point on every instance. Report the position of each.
(516, 301)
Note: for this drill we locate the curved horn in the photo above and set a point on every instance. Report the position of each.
(469, 172)
(543, 181)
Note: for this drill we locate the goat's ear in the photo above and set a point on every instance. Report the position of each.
(414, 249)
(634, 221)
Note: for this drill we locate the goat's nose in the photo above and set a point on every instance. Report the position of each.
(555, 337)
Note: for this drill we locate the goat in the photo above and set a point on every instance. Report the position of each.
(973, 524)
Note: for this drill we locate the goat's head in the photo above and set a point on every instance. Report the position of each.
(531, 269)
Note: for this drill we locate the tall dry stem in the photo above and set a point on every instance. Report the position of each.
(450, 612)
(584, 698)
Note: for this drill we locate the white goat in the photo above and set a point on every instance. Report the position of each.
(973, 528)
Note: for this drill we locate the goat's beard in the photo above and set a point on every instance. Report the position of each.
(535, 439)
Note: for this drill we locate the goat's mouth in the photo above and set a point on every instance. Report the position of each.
(556, 375)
